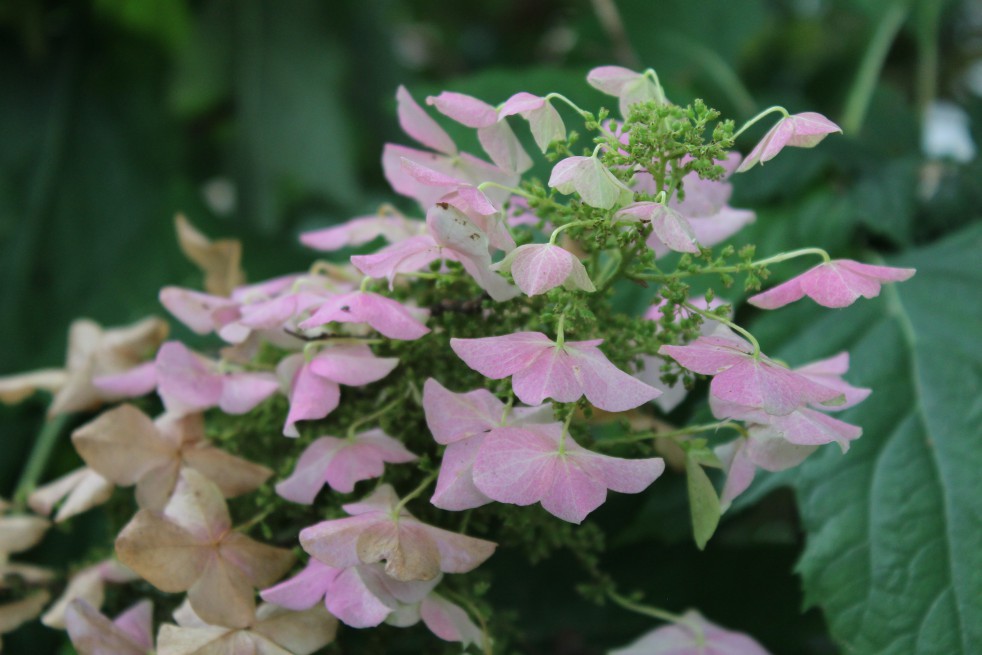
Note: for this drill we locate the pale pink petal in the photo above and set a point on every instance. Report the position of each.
(137, 623)
(387, 316)
(537, 268)
(605, 385)
(383, 499)
(804, 130)
(352, 365)
(305, 589)
(779, 296)
(693, 635)
(138, 381)
(455, 489)
(517, 465)
(503, 147)
(596, 185)
(242, 392)
(335, 542)
(828, 372)
(453, 417)
(428, 176)
(419, 125)
(363, 459)
(92, 633)
(201, 312)
(448, 621)
(499, 357)
(352, 601)
(668, 226)
(407, 256)
(520, 103)
(458, 553)
(771, 452)
(81, 490)
(184, 379)
(311, 397)
(739, 469)
(404, 184)
(807, 427)
(464, 109)
(308, 476)
(554, 374)
(359, 231)
(611, 79)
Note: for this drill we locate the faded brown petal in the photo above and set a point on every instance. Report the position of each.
(93, 634)
(233, 475)
(15, 388)
(86, 585)
(82, 489)
(222, 595)
(197, 506)
(407, 556)
(29, 573)
(13, 615)
(18, 533)
(162, 553)
(122, 445)
(260, 564)
(301, 633)
(156, 487)
(219, 260)
(205, 640)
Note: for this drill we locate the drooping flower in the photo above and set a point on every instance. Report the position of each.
(89, 585)
(340, 463)
(388, 224)
(539, 267)
(81, 490)
(742, 378)
(693, 635)
(838, 283)
(829, 372)
(588, 177)
(188, 382)
(627, 86)
(92, 352)
(127, 448)
(494, 133)
(388, 317)
(314, 385)
(542, 464)
(410, 549)
(542, 368)
(461, 422)
(271, 630)
(91, 633)
(668, 226)
(804, 130)
(545, 122)
(191, 546)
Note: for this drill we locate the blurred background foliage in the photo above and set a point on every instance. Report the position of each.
(261, 119)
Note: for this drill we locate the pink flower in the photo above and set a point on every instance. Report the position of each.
(542, 368)
(764, 449)
(314, 391)
(544, 121)
(385, 315)
(461, 422)
(829, 372)
(410, 549)
(595, 184)
(340, 463)
(494, 133)
(130, 633)
(188, 383)
(668, 227)
(541, 464)
(539, 267)
(629, 87)
(393, 227)
(740, 378)
(694, 635)
(803, 130)
(838, 283)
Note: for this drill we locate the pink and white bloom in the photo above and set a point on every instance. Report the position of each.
(838, 283)
(694, 636)
(803, 130)
(668, 227)
(541, 464)
(542, 368)
(130, 633)
(390, 225)
(188, 382)
(375, 532)
(829, 372)
(539, 267)
(314, 389)
(627, 86)
(494, 133)
(743, 378)
(545, 122)
(340, 463)
(388, 317)
(461, 422)
(588, 177)
(762, 449)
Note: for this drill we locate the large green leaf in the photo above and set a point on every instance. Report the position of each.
(894, 529)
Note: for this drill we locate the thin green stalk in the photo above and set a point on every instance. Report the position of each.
(753, 121)
(728, 323)
(658, 613)
(692, 429)
(37, 461)
(861, 94)
(412, 494)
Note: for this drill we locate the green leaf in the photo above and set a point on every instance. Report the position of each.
(894, 547)
(703, 502)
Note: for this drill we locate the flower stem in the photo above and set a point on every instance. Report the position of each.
(728, 323)
(518, 192)
(692, 429)
(412, 494)
(37, 461)
(374, 415)
(758, 117)
(658, 613)
(559, 230)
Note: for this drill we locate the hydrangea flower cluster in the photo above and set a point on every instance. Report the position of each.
(475, 352)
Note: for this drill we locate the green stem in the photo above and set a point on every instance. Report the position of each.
(861, 93)
(365, 281)
(518, 192)
(560, 335)
(727, 322)
(758, 117)
(562, 439)
(562, 228)
(654, 612)
(412, 494)
(692, 429)
(740, 268)
(37, 461)
(559, 96)
(371, 417)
